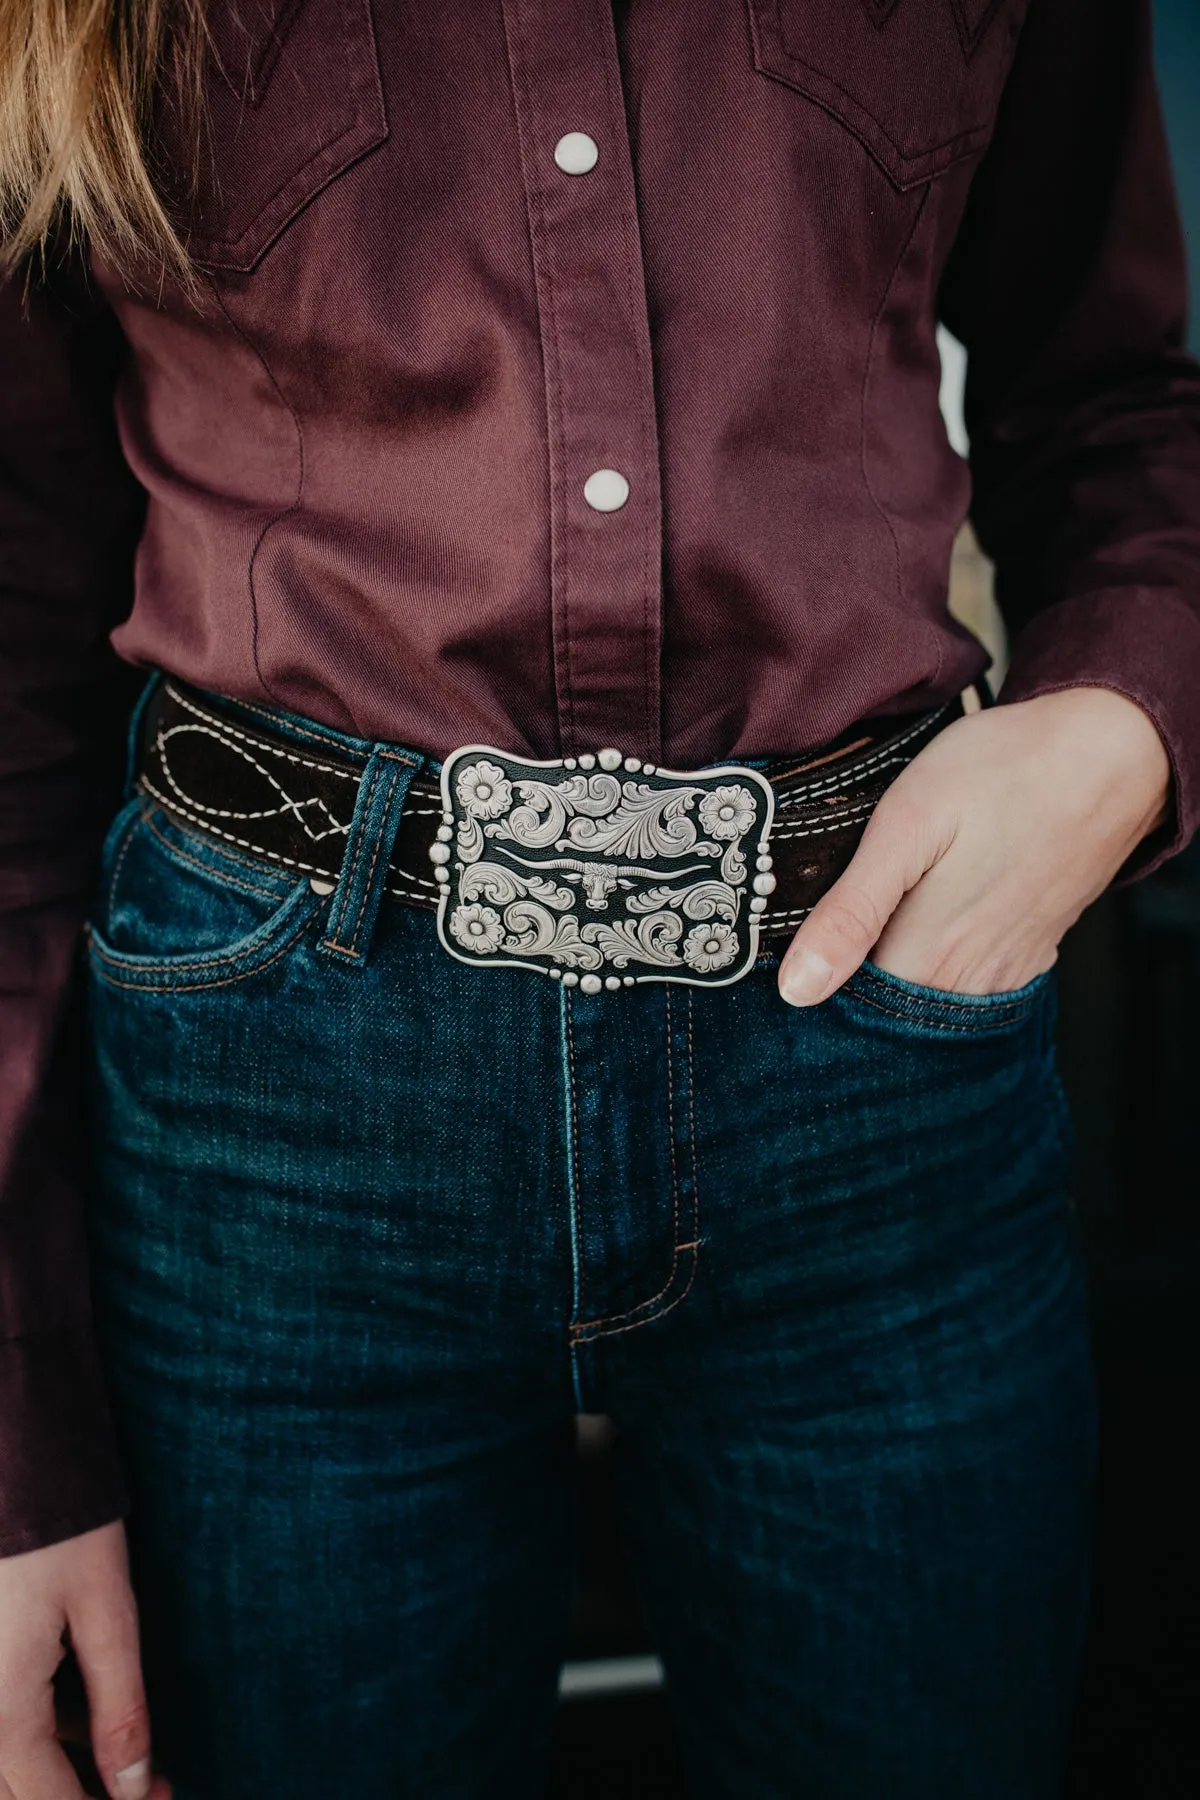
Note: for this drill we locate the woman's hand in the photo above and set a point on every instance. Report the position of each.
(82, 1585)
(988, 846)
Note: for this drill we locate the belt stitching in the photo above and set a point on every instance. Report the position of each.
(881, 757)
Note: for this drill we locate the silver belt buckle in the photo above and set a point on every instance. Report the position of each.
(602, 871)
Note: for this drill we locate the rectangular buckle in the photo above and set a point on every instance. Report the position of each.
(602, 870)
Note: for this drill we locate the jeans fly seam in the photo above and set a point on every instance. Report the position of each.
(571, 1122)
(596, 1328)
(671, 1138)
(692, 1136)
(600, 1325)
(646, 1311)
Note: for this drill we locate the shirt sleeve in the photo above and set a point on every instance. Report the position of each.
(1067, 285)
(70, 512)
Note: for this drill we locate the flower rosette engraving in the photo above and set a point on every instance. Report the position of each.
(578, 871)
(710, 947)
(477, 928)
(728, 812)
(484, 790)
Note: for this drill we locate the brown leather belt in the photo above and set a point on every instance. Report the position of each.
(271, 786)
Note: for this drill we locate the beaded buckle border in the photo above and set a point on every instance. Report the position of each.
(601, 870)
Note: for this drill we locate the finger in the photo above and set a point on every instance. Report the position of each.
(897, 848)
(104, 1636)
(35, 1767)
(45, 1773)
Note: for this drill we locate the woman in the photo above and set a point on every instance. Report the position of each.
(505, 439)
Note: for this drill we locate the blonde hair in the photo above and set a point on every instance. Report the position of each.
(77, 83)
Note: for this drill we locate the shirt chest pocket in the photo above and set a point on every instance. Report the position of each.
(292, 97)
(916, 81)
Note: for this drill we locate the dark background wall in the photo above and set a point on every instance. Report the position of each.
(1177, 26)
(1130, 1049)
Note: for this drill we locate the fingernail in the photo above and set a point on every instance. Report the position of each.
(133, 1783)
(805, 978)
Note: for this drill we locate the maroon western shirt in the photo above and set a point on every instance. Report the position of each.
(457, 259)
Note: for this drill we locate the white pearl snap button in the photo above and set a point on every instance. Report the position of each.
(606, 490)
(576, 154)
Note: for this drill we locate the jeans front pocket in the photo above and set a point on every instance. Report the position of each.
(972, 1079)
(176, 910)
(943, 1012)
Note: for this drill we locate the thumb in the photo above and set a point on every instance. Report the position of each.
(895, 851)
(104, 1637)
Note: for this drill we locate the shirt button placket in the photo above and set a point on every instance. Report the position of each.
(605, 497)
(605, 490)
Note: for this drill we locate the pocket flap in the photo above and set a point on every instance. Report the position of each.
(917, 82)
(294, 97)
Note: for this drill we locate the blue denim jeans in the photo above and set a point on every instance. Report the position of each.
(367, 1236)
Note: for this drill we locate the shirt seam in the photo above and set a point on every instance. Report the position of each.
(868, 366)
(285, 512)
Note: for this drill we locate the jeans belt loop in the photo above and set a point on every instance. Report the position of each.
(369, 842)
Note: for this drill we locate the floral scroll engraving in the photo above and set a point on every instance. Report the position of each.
(623, 871)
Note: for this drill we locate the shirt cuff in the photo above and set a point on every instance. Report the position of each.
(60, 1472)
(1140, 642)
